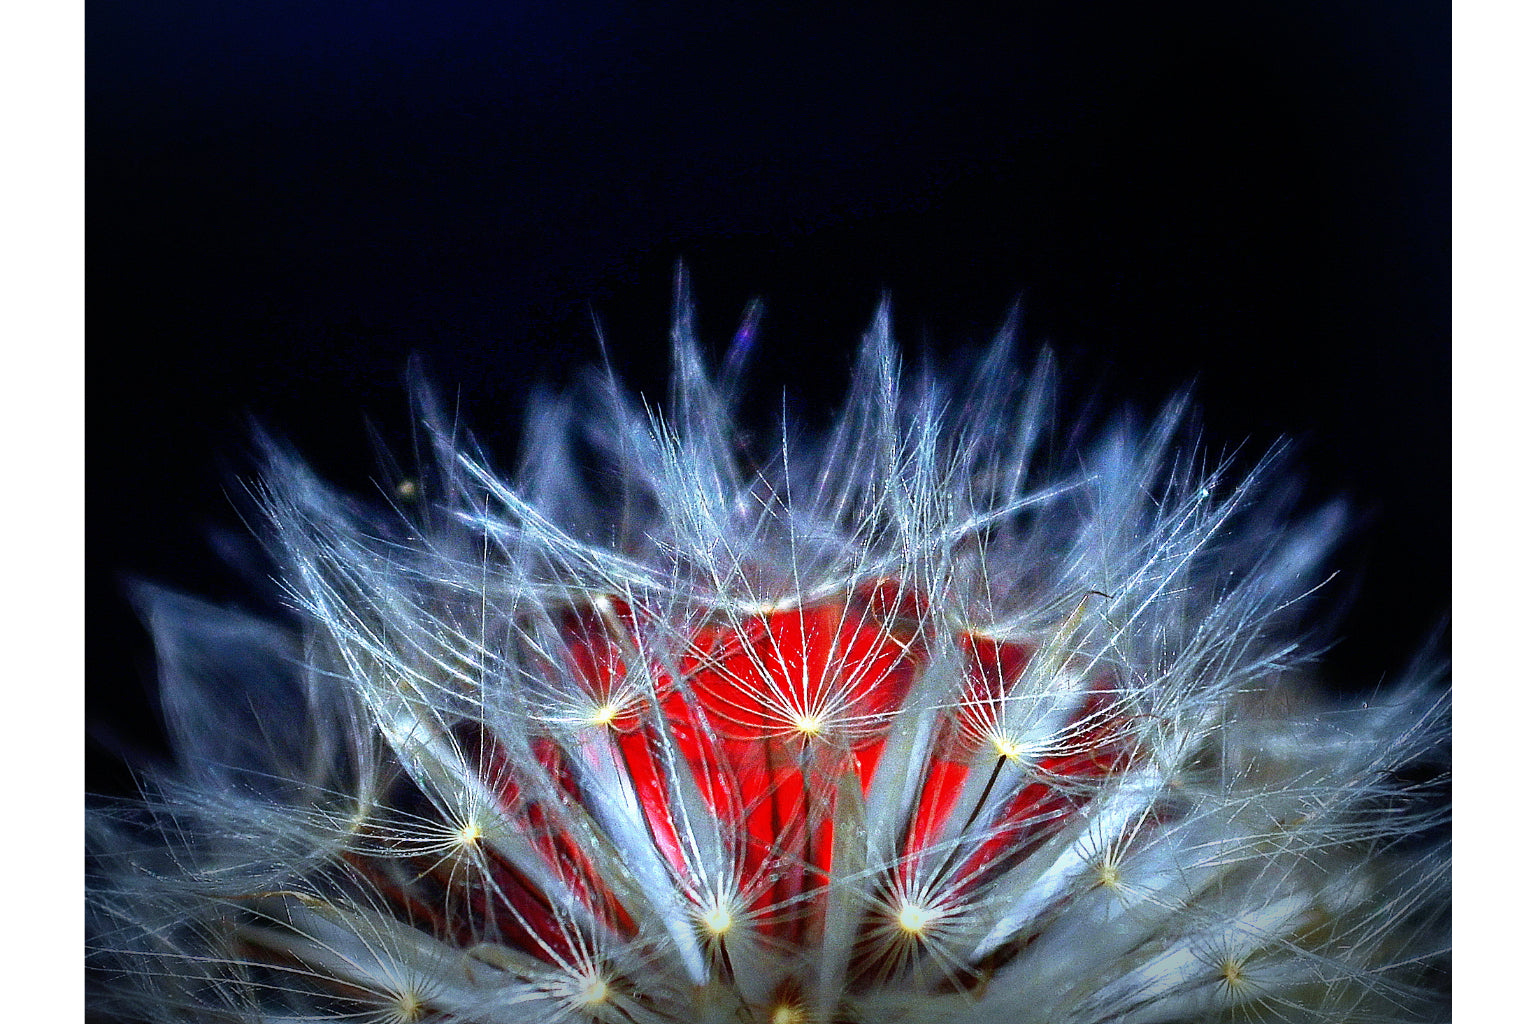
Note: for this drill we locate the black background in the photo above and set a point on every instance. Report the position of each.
(287, 199)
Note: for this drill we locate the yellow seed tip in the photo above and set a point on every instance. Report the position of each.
(593, 992)
(788, 1013)
(717, 921)
(1006, 747)
(914, 919)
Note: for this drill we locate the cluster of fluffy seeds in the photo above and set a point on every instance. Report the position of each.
(913, 723)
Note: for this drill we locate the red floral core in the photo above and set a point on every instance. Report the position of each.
(775, 715)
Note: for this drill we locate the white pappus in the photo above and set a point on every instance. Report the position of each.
(923, 720)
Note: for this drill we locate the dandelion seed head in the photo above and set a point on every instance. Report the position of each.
(909, 723)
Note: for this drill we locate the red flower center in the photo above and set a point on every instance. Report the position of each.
(775, 715)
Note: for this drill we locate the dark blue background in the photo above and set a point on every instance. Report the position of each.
(287, 198)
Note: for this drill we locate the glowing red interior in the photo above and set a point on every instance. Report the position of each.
(768, 712)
